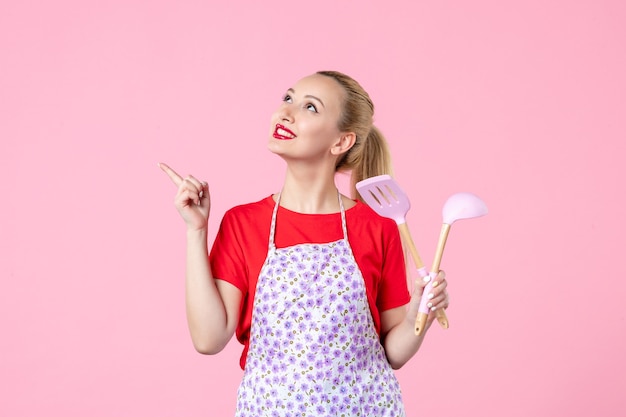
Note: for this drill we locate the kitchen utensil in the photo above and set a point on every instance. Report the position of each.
(383, 194)
(457, 207)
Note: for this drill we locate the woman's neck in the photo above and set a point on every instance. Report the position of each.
(310, 191)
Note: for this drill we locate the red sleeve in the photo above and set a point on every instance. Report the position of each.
(392, 289)
(227, 255)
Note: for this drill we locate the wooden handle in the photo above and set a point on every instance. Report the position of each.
(442, 318)
(443, 237)
(406, 236)
(420, 322)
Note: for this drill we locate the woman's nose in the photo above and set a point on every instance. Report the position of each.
(286, 114)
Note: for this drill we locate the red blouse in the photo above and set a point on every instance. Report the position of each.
(242, 242)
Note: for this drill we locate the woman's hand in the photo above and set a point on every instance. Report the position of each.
(439, 298)
(192, 200)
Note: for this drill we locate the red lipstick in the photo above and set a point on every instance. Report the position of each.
(282, 133)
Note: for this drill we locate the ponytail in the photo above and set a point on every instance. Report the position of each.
(367, 158)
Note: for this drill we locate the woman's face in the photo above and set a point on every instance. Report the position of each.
(305, 125)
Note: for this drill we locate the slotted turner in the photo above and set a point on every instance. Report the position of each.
(383, 194)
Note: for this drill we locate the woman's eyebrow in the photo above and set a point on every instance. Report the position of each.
(292, 91)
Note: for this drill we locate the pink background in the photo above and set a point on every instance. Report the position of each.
(520, 102)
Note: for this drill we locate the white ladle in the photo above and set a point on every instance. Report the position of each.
(457, 207)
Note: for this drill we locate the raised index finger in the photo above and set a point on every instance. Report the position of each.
(176, 179)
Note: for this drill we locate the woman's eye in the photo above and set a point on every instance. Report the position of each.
(311, 107)
(287, 98)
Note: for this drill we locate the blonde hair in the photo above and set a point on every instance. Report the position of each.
(369, 156)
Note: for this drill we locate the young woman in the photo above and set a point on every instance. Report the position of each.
(312, 282)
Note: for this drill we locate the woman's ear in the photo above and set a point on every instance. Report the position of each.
(344, 143)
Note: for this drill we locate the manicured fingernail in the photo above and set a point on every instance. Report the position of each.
(429, 305)
(433, 308)
(435, 284)
(427, 278)
(431, 295)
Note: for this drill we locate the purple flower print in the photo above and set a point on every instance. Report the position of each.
(314, 330)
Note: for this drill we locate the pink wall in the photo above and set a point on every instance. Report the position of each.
(520, 102)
